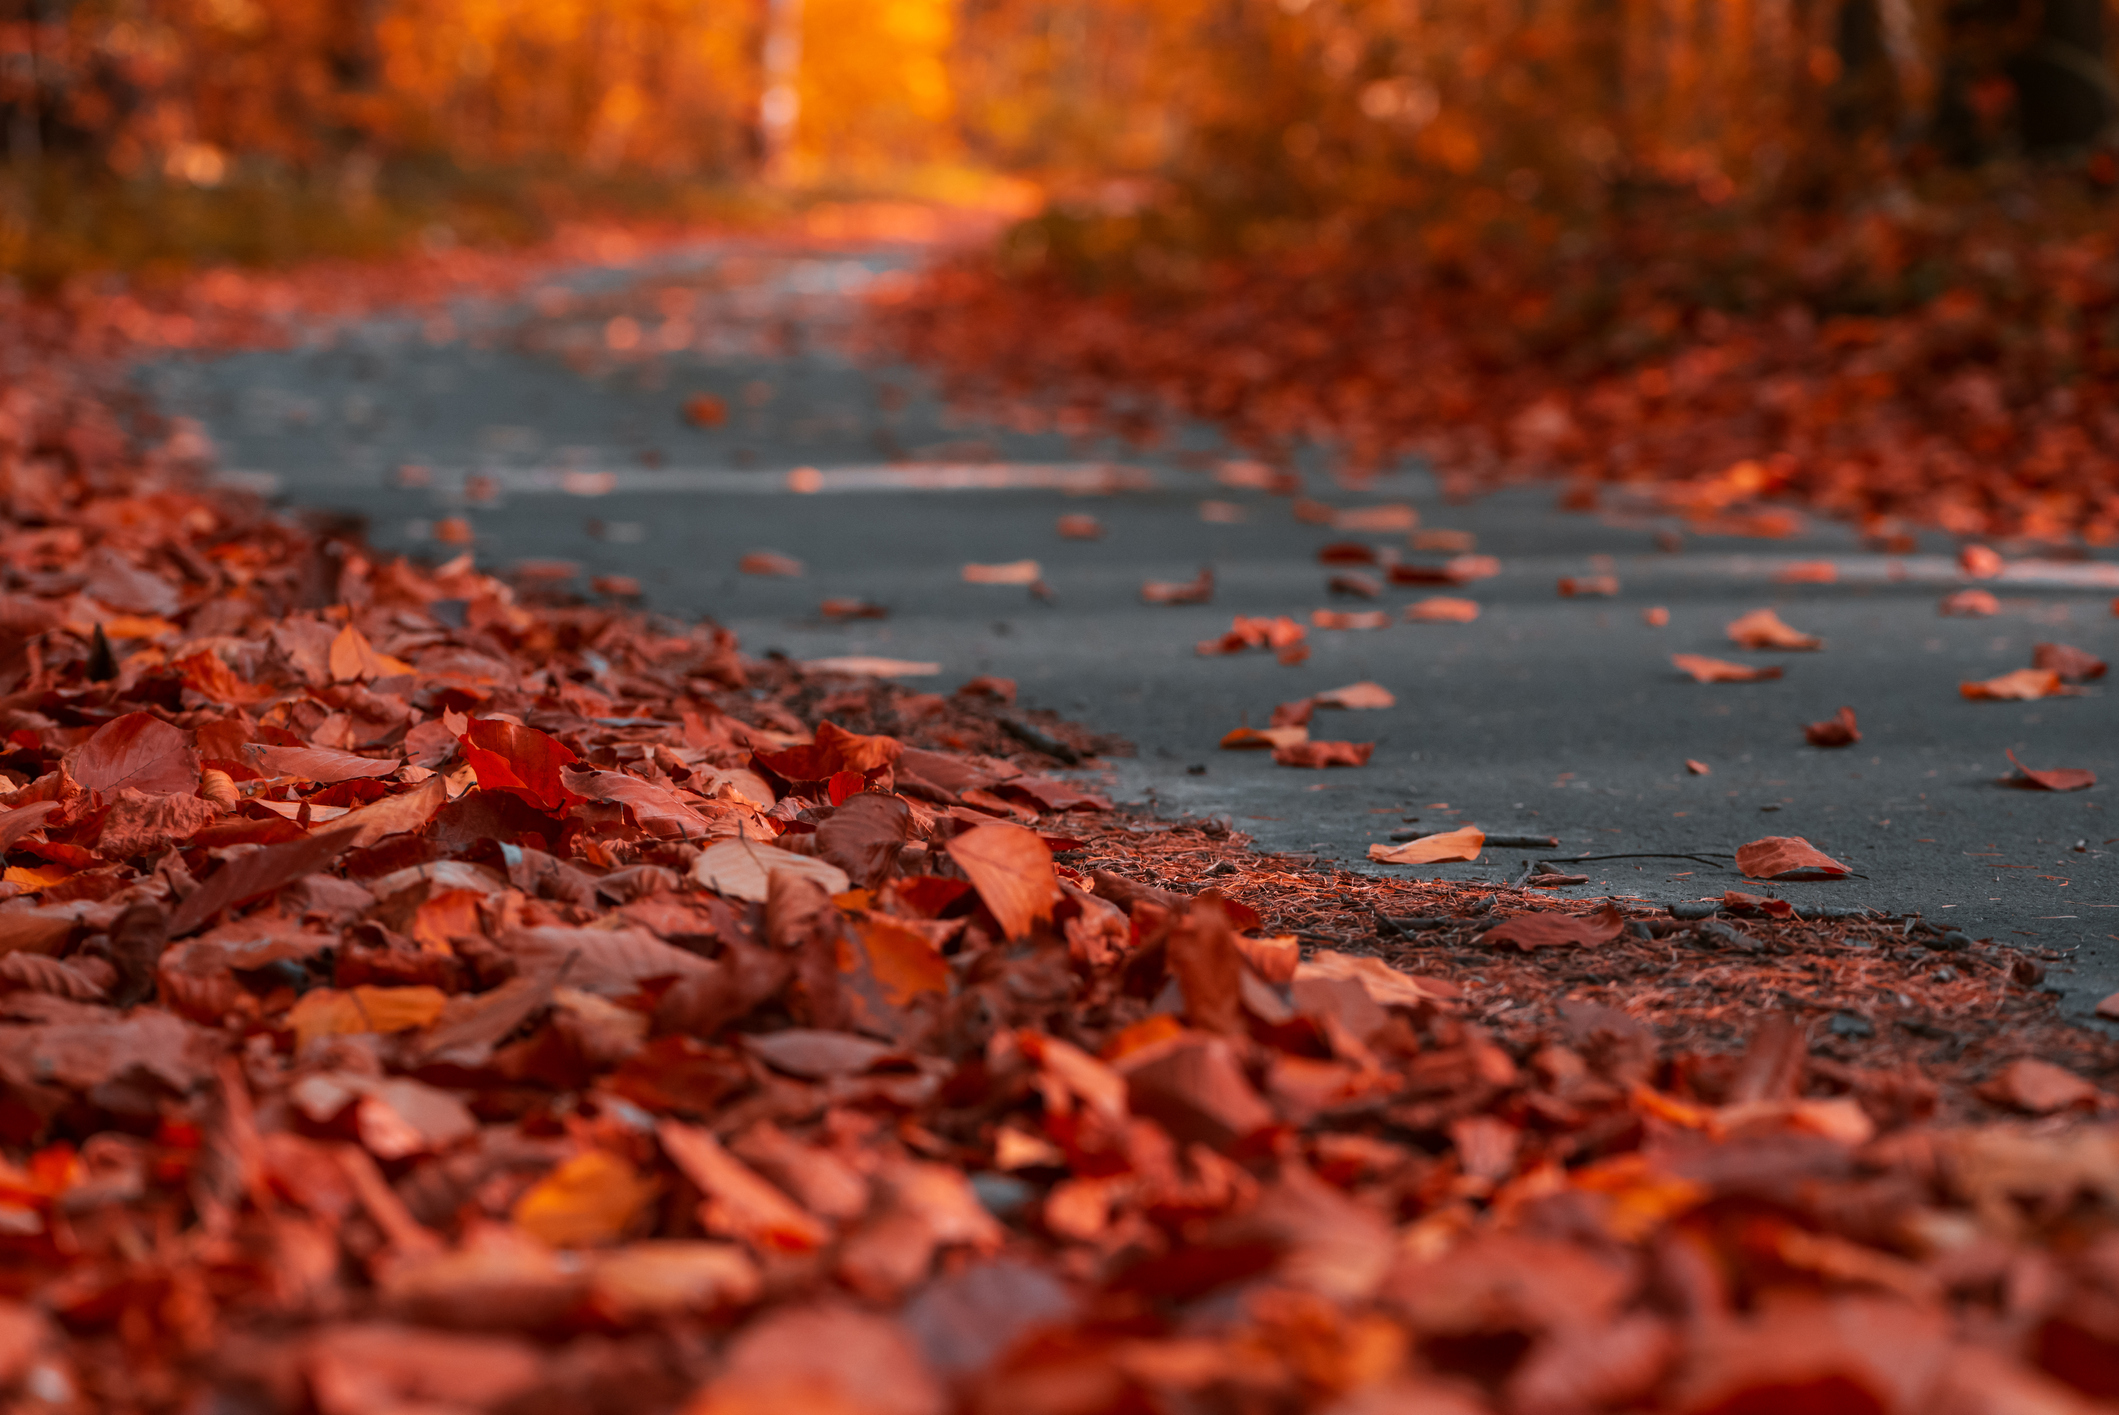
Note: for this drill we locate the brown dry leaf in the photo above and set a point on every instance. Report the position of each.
(1012, 870)
(326, 1012)
(743, 869)
(1578, 586)
(1360, 695)
(144, 824)
(1980, 562)
(136, 750)
(1763, 629)
(1655, 616)
(770, 563)
(319, 764)
(1787, 857)
(1463, 843)
(2040, 1088)
(1836, 731)
(1557, 930)
(1355, 584)
(2022, 686)
(1078, 526)
(2069, 662)
(1013, 572)
(1204, 959)
(1387, 986)
(1970, 604)
(1253, 738)
(738, 1203)
(822, 1359)
(1698, 768)
(1442, 609)
(353, 658)
(1719, 670)
(589, 1200)
(668, 1278)
(1323, 754)
(2053, 779)
(1198, 590)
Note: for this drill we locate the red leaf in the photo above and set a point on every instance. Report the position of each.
(1836, 731)
(519, 760)
(1787, 857)
(317, 763)
(834, 750)
(257, 874)
(2066, 778)
(137, 750)
(1324, 754)
(1555, 930)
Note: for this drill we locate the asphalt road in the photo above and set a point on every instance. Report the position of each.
(553, 428)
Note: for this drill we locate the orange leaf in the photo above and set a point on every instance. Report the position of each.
(1013, 572)
(1763, 629)
(1554, 930)
(589, 1200)
(1248, 738)
(904, 961)
(1198, 590)
(1719, 670)
(738, 1203)
(1577, 586)
(1441, 609)
(1321, 754)
(1012, 870)
(769, 562)
(1970, 604)
(451, 914)
(2024, 685)
(1787, 857)
(507, 756)
(1698, 768)
(1463, 843)
(1357, 695)
(327, 1012)
(2066, 778)
(1836, 731)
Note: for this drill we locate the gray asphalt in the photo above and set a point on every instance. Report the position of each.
(1547, 714)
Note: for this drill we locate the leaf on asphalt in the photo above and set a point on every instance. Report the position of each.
(1012, 870)
(1557, 930)
(1787, 857)
(1763, 629)
(1198, 590)
(1463, 843)
(2040, 1088)
(1354, 583)
(1347, 552)
(1835, 731)
(2022, 686)
(770, 563)
(1221, 513)
(2064, 778)
(1580, 586)
(353, 658)
(738, 1203)
(1698, 768)
(1720, 670)
(1350, 619)
(1254, 738)
(1970, 604)
(743, 869)
(869, 666)
(138, 750)
(1442, 609)
(840, 608)
(2071, 663)
(1012, 572)
(1656, 616)
(1321, 754)
(1807, 572)
(1077, 526)
(1279, 633)
(1980, 562)
(1362, 695)
(519, 760)
(320, 764)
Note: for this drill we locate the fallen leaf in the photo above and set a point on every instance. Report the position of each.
(259, 873)
(1387, 986)
(705, 410)
(1441, 609)
(868, 666)
(327, 1012)
(519, 760)
(1787, 857)
(1807, 572)
(1354, 583)
(1252, 738)
(1357, 696)
(738, 1203)
(770, 562)
(1077, 526)
(589, 1200)
(1763, 629)
(2052, 779)
(2069, 662)
(1220, 513)
(1463, 843)
(1969, 604)
(1698, 768)
(136, 750)
(2040, 1088)
(1836, 731)
(320, 764)
(1720, 670)
(1556, 930)
(1013, 572)
(1350, 619)
(743, 869)
(1655, 616)
(842, 608)
(353, 658)
(1012, 870)
(2023, 685)
(666, 1278)
(1347, 552)
(1577, 586)
(1199, 590)
(1391, 517)
(1321, 754)
(1980, 562)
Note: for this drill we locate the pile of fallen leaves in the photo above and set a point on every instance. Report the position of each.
(1892, 364)
(418, 996)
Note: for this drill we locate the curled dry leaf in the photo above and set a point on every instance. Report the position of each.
(1254, 738)
(1461, 844)
(1280, 634)
(1320, 754)
(1787, 857)
(743, 869)
(1579, 586)
(1698, 768)
(1969, 604)
(1350, 619)
(1719, 670)
(1835, 731)
(770, 562)
(2069, 662)
(1442, 609)
(841, 608)
(1980, 562)
(1354, 584)
(1763, 629)
(1557, 930)
(1356, 696)
(1198, 590)
(1013, 572)
(2022, 686)
(1012, 870)
(2053, 779)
